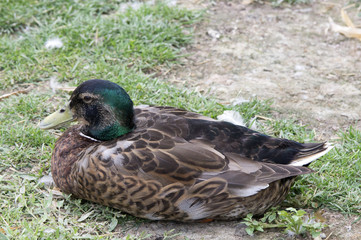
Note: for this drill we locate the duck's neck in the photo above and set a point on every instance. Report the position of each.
(109, 132)
(111, 127)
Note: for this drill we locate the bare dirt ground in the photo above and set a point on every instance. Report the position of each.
(286, 54)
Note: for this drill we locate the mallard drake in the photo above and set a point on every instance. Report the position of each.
(163, 163)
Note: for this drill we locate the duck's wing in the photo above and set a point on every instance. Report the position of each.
(227, 137)
(184, 147)
(154, 155)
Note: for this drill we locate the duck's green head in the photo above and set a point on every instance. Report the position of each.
(103, 108)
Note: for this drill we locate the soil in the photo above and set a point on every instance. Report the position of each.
(339, 227)
(287, 54)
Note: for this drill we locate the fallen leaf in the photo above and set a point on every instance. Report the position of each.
(247, 2)
(347, 31)
(319, 217)
(346, 19)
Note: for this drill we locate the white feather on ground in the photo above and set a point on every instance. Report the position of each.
(232, 117)
(135, 5)
(53, 43)
(235, 118)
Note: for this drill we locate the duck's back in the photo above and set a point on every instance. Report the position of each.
(225, 136)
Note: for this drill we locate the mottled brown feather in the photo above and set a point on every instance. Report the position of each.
(177, 165)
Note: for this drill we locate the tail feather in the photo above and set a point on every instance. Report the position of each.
(310, 153)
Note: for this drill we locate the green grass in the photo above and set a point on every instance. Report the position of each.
(336, 184)
(96, 43)
(291, 220)
(127, 47)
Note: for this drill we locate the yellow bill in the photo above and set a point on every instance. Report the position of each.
(57, 119)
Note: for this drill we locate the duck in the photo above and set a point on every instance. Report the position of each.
(165, 163)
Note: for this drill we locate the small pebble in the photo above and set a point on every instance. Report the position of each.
(213, 34)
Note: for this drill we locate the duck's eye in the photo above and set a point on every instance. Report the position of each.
(87, 99)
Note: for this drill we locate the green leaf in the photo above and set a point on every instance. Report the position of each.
(300, 212)
(85, 216)
(113, 224)
(315, 234)
(60, 203)
(272, 217)
(291, 209)
(250, 231)
(283, 213)
(296, 218)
